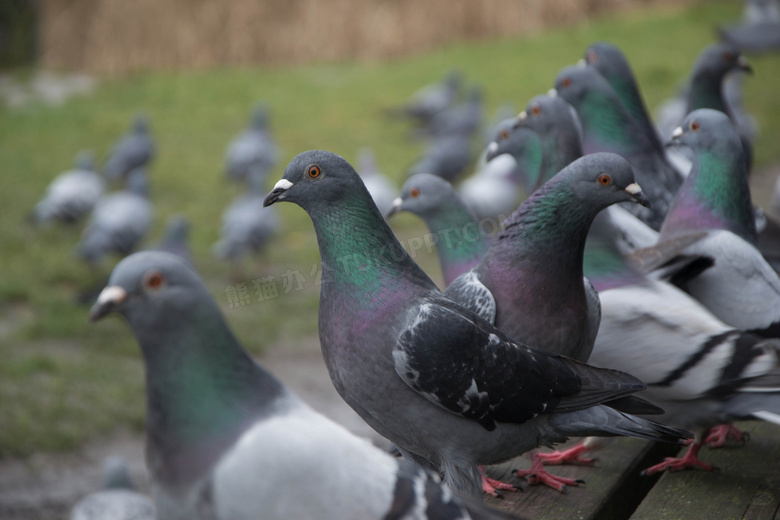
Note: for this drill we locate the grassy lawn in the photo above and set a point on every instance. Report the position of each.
(63, 380)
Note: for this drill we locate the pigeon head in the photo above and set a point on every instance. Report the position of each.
(315, 179)
(148, 288)
(602, 179)
(706, 129)
(259, 120)
(575, 82)
(719, 59)
(517, 142)
(608, 59)
(141, 124)
(423, 194)
(549, 113)
(502, 129)
(85, 161)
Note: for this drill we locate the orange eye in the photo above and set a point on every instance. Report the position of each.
(313, 171)
(414, 193)
(728, 56)
(504, 134)
(536, 110)
(154, 280)
(566, 82)
(605, 180)
(695, 126)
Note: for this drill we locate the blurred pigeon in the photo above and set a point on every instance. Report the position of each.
(433, 99)
(759, 30)
(449, 389)
(463, 119)
(700, 370)
(556, 123)
(707, 85)
(253, 152)
(119, 221)
(459, 242)
(611, 63)
(134, 150)
(721, 268)
(608, 126)
(504, 113)
(446, 157)
(72, 194)
(379, 186)
(176, 237)
(226, 439)
(117, 500)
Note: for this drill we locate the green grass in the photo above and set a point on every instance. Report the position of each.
(63, 381)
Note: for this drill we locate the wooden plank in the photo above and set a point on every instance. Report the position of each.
(612, 486)
(747, 487)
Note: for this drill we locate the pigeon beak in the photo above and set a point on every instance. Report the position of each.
(492, 149)
(636, 194)
(278, 193)
(107, 302)
(676, 135)
(521, 117)
(581, 63)
(742, 64)
(396, 207)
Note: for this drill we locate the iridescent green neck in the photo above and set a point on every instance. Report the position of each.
(460, 242)
(604, 123)
(705, 92)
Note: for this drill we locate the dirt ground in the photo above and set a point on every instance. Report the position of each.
(47, 486)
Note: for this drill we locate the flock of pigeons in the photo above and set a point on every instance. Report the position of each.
(634, 291)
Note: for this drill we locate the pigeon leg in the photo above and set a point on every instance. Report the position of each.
(492, 486)
(718, 435)
(570, 456)
(689, 460)
(538, 475)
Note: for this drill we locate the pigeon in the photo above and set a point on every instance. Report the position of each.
(608, 126)
(760, 28)
(464, 119)
(505, 114)
(460, 243)
(72, 194)
(379, 186)
(448, 157)
(525, 148)
(497, 186)
(176, 237)
(706, 85)
(556, 123)
(246, 225)
(611, 63)
(253, 152)
(433, 99)
(720, 267)
(448, 388)
(117, 500)
(701, 371)
(119, 221)
(225, 439)
(134, 150)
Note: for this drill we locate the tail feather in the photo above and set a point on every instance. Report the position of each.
(603, 421)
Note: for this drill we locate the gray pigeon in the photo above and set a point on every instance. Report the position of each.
(463, 119)
(119, 221)
(117, 500)
(253, 152)
(759, 30)
(176, 237)
(448, 157)
(246, 226)
(72, 194)
(607, 126)
(433, 99)
(700, 370)
(460, 243)
(134, 150)
(448, 388)
(227, 440)
(721, 267)
(382, 191)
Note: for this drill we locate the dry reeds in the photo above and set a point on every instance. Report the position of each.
(112, 37)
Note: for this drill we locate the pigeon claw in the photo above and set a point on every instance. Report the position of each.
(570, 456)
(688, 461)
(538, 475)
(492, 486)
(718, 435)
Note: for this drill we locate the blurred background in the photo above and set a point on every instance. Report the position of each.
(75, 73)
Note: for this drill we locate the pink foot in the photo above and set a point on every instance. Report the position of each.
(492, 486)
(538, 475)
(570, 456)
(689, 460)
(718, 435)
